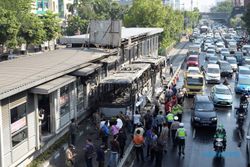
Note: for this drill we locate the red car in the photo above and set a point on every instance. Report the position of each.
(193, 60)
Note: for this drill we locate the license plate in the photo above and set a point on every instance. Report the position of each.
(205, 124)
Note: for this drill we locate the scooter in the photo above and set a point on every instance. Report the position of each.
(240, 120)
(218, 147)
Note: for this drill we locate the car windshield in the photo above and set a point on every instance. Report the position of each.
(245, 71)
(222, 91)
(204, 106)
(192, 59)
(213, 70)
(213, 58)
(211, 51)
(231, 61)
(226, 66)
(244, 81)
(195, 81)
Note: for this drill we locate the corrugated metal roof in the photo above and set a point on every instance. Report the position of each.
(126, 74)
(53, 85)
(21, 74)
(87, 70)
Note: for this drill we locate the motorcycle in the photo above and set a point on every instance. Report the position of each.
(180, 96)
(218, 147)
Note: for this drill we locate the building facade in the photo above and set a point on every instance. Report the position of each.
(238, 3)
(39, 95)
(246, 3)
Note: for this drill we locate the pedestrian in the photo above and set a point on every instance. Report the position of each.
(114, 152)
(170, 119)
(160, 121)
(40, 120)
(153, 145)
(156, 105)
(158, 154)
(128, 118)
(174, 90)
(100, 155)
(114, 129)
(136, 119)
(171, 71)
(89, 151)
(173, 129)
(70, 156)
(140, 128)
(148, 140)
(73, 129)
(168, 94)
(138, 141)
(181, 136)
(148, 120)
(97, 119)
(163, 138)
(105, 134)
(122, 137)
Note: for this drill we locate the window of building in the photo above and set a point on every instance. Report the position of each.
(80, 96)
(19, 128)
(64, 100)
(19, 136)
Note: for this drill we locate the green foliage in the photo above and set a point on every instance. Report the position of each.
(75, 23)
(9, 27)
(225, 6)
(31, 30)
(93, 10)
(51, 25)
(192, 17)
(246, 19)
(236, 21)
(151, 13)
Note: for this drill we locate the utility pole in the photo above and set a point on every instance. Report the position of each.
(192, 3)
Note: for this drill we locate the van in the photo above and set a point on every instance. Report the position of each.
(212, 73)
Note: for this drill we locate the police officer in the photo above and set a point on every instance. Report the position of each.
(170, 119)
(181, 136)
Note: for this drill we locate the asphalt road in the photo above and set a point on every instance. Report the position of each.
(199, 144)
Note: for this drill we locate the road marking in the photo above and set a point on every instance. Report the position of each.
(194, 132)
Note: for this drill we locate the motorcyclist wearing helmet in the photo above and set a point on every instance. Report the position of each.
(226, 83)
(221, 133)
(243, 99)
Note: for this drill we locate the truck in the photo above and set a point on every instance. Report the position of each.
(194, 83)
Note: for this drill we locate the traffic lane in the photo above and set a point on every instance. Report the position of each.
(204, 138)
(199, 143)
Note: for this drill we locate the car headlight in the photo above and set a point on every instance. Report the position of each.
(197, 119)
(214, 119)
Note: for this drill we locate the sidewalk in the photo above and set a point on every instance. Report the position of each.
(88, 130)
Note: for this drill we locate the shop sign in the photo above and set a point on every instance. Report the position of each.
(18, 124)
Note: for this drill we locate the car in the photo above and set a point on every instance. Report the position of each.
(247, 59)
(203, 114)
(193, 70)
(219, 46)
(193, 60)
(225, 69)
(221, 95)
(239, 57)
(232, 61)
(212, 59)
(210, 52)
(212, 73)
(224, 54)
(243, 70)
(242, 84)
(245, 49)
(232, 46)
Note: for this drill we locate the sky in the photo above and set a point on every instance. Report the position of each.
(205, 5)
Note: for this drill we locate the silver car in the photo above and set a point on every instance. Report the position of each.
(221, 95)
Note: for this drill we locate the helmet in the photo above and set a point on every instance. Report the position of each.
(175, 118)
(181, 124)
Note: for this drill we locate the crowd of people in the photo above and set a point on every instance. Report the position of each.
(149, 130)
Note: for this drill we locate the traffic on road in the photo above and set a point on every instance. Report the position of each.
(209, 104)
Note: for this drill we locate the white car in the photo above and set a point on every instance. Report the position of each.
(193, 70)
(233, 62)
(246, 49)
(212, 74)
(221, 95)
(219, 46)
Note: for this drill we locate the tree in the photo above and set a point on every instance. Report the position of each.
(75, 24)
(9, 27)
(246, 19)
(51, 26)
(32, 30)
(225, 6)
